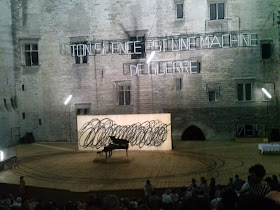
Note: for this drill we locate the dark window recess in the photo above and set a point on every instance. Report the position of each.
(31, 55)
(84, 111)
(22, 87)
(124, 95)
(221, 11)
(40, 122)
(266, 51)
(248, 91)
(217, 11)
(240, 92)
(23, 115)
(179, 84)
(212, 11)
(180, 11)
(5, 104)
(12, 103)
(139, 47)
(212, 95)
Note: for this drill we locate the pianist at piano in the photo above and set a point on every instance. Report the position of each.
(115, 145)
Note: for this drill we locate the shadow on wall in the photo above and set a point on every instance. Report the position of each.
(193, 133)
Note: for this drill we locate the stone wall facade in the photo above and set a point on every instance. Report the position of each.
(54, 26)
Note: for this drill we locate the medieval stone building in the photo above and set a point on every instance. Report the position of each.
(212, 58)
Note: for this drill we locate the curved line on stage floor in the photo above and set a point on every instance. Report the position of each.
(212, 164)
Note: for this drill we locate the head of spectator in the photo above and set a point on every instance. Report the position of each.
(257, 173)
(111, 202)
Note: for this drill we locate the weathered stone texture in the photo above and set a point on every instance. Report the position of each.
(54, 23)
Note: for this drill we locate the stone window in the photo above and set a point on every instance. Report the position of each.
(212, 95)
(178, 83)
(137, 47)
(83, 108)
(244, 91)
(31, 54)
(217, 11)
(179, 10)
(124, 92)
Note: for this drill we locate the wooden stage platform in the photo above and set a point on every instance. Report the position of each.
(62, 166)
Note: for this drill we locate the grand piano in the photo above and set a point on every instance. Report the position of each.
(115, 144)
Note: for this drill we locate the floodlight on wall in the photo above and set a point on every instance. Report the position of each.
(68, 99)
(266, 93)
(1, 155)
(151, 57)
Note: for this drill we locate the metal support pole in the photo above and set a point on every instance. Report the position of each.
(70, 134)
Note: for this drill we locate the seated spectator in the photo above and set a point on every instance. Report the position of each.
(213, 188)
(238, 183)
(246, 186)
(205, 189)
(167, 200)
(258, 186)
(193, 185)
(154, 201)
(111, 202)
(230, 185)
(229, 198)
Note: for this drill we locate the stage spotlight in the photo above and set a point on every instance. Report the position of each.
(151, 57)
(266, 93)
(1, 155)
(68, 99)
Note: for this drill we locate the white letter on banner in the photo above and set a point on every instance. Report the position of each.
(164, 44)
(168, 70)
(202, 40)
(175, 44)
(192, 43)
(157, 45)
(139, 68)
(253, 41)
(137, 47)
(132, 68)
(87, 48)
(80, 50)
(244, 40)
(183, 43)
(73, 47)
(114, 47)
(186, 66)
(151, 69)
(97, 48)
(177, 68)
(123, 48)
(129, 46)
(232, 40)
(215, 43)
(224, 42)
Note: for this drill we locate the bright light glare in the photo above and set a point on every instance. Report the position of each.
(1, 155)
(151, 57)
(266, 93)
(68, 99)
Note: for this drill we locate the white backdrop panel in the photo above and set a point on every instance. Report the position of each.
(143, 131)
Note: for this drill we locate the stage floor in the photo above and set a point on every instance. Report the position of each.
(62, 166)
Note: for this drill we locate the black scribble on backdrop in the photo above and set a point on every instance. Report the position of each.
(96, 133)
